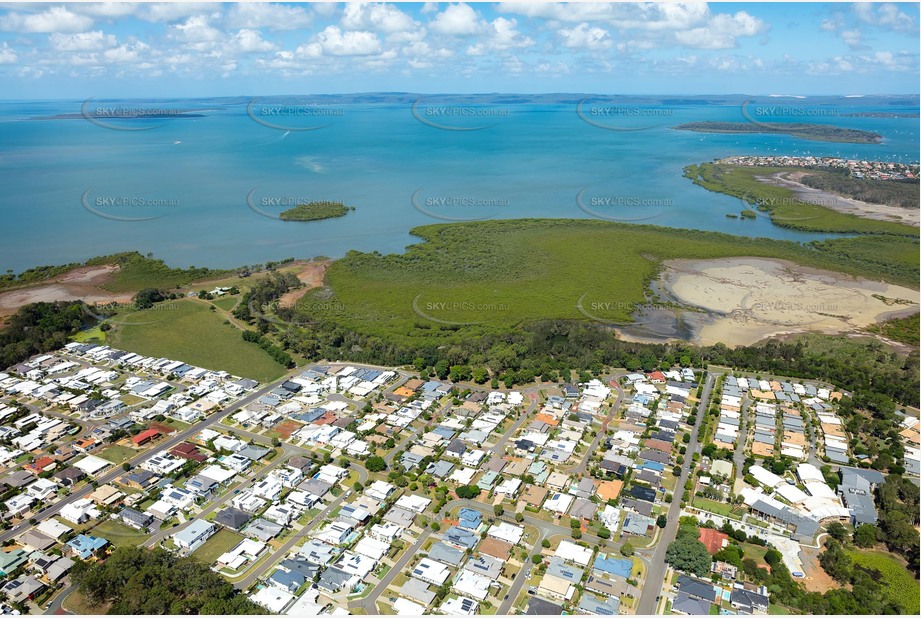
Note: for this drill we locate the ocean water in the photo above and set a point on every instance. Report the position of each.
(205, 190)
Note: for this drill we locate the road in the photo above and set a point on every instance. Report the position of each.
(583, 465)
(167, 444)
(369, 603)
(656, 572)
(499, 447)
(279, 554)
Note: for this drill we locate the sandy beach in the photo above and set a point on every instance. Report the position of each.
(746, 300)
(882, 212)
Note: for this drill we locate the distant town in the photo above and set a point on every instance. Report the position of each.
(872, 170)
(353, 489)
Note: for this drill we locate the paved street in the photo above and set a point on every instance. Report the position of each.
(656, 575)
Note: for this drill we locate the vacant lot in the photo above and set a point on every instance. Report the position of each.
(188, 331)
(117, 453)
(223, 541)
(119, 534)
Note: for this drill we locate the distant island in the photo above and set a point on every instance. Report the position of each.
(815, 132)
(313, 211)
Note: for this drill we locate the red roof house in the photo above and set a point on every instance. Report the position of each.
(714, 540)
(145, 436)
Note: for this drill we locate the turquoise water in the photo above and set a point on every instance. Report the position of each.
(202, 177)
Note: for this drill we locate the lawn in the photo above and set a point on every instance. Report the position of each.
(90, 335)
(223, 541)
(474, 279)
(190, 332)
(77, 604)
(227, 303)
(720, 508)
(119, 534)
(117, 453)
(895, 577)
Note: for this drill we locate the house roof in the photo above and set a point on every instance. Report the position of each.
(690, 605)
(713, 540)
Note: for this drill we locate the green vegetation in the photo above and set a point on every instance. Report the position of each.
(119, 534)
(903, 330)
(814, 132)
(467, 492)
(222, 542)
(226, 303)
(312, 211)
(137, 581)
(784, 207)
(895, 578)
(38, 328)
(898, 501)
(117, 453)
(508, 295)
(838, 181)
(192, 333)
(375, 464)
(136, 271)
(686, 552)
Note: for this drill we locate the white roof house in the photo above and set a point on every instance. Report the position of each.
(472, 584)
(507, 532)
(91, 464)
(766, 477)
(571, 552)
(413, 503)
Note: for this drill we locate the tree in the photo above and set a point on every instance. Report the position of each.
(604, 533)
(126, 466)
(626, 550)
(436, 526)
(576, 533)
(537, 558)
(357, 487)
(467, 492)
(375, 464)
(545, 543)
(865, 535)
(498, 510)
(519, 517)
(837, 531)
(688, 554)
(661, 521)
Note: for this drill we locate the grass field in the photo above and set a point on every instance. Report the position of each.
(904, 330)
(784, 207)
(190, 332)
(895, 577)
(720, 508)
(119, 534)
(226, 303)
(136, 272)
(223, 541)
(480, 278)
(117, 453)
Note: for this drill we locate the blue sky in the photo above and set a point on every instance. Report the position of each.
(210, 49)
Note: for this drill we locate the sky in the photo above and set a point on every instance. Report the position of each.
(77, 50)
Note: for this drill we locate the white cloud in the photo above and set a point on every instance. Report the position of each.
(268, 16)
(196, 29)
(55, 19)
(105, 9)
(175, 11)
(853, 38)
(502, 35)
(83, 41)
(7, 54)
(334, 42)
(887, 16)
(457, 20)
(250, 41)
(721, 32)
(585, 36)
(376, 17)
